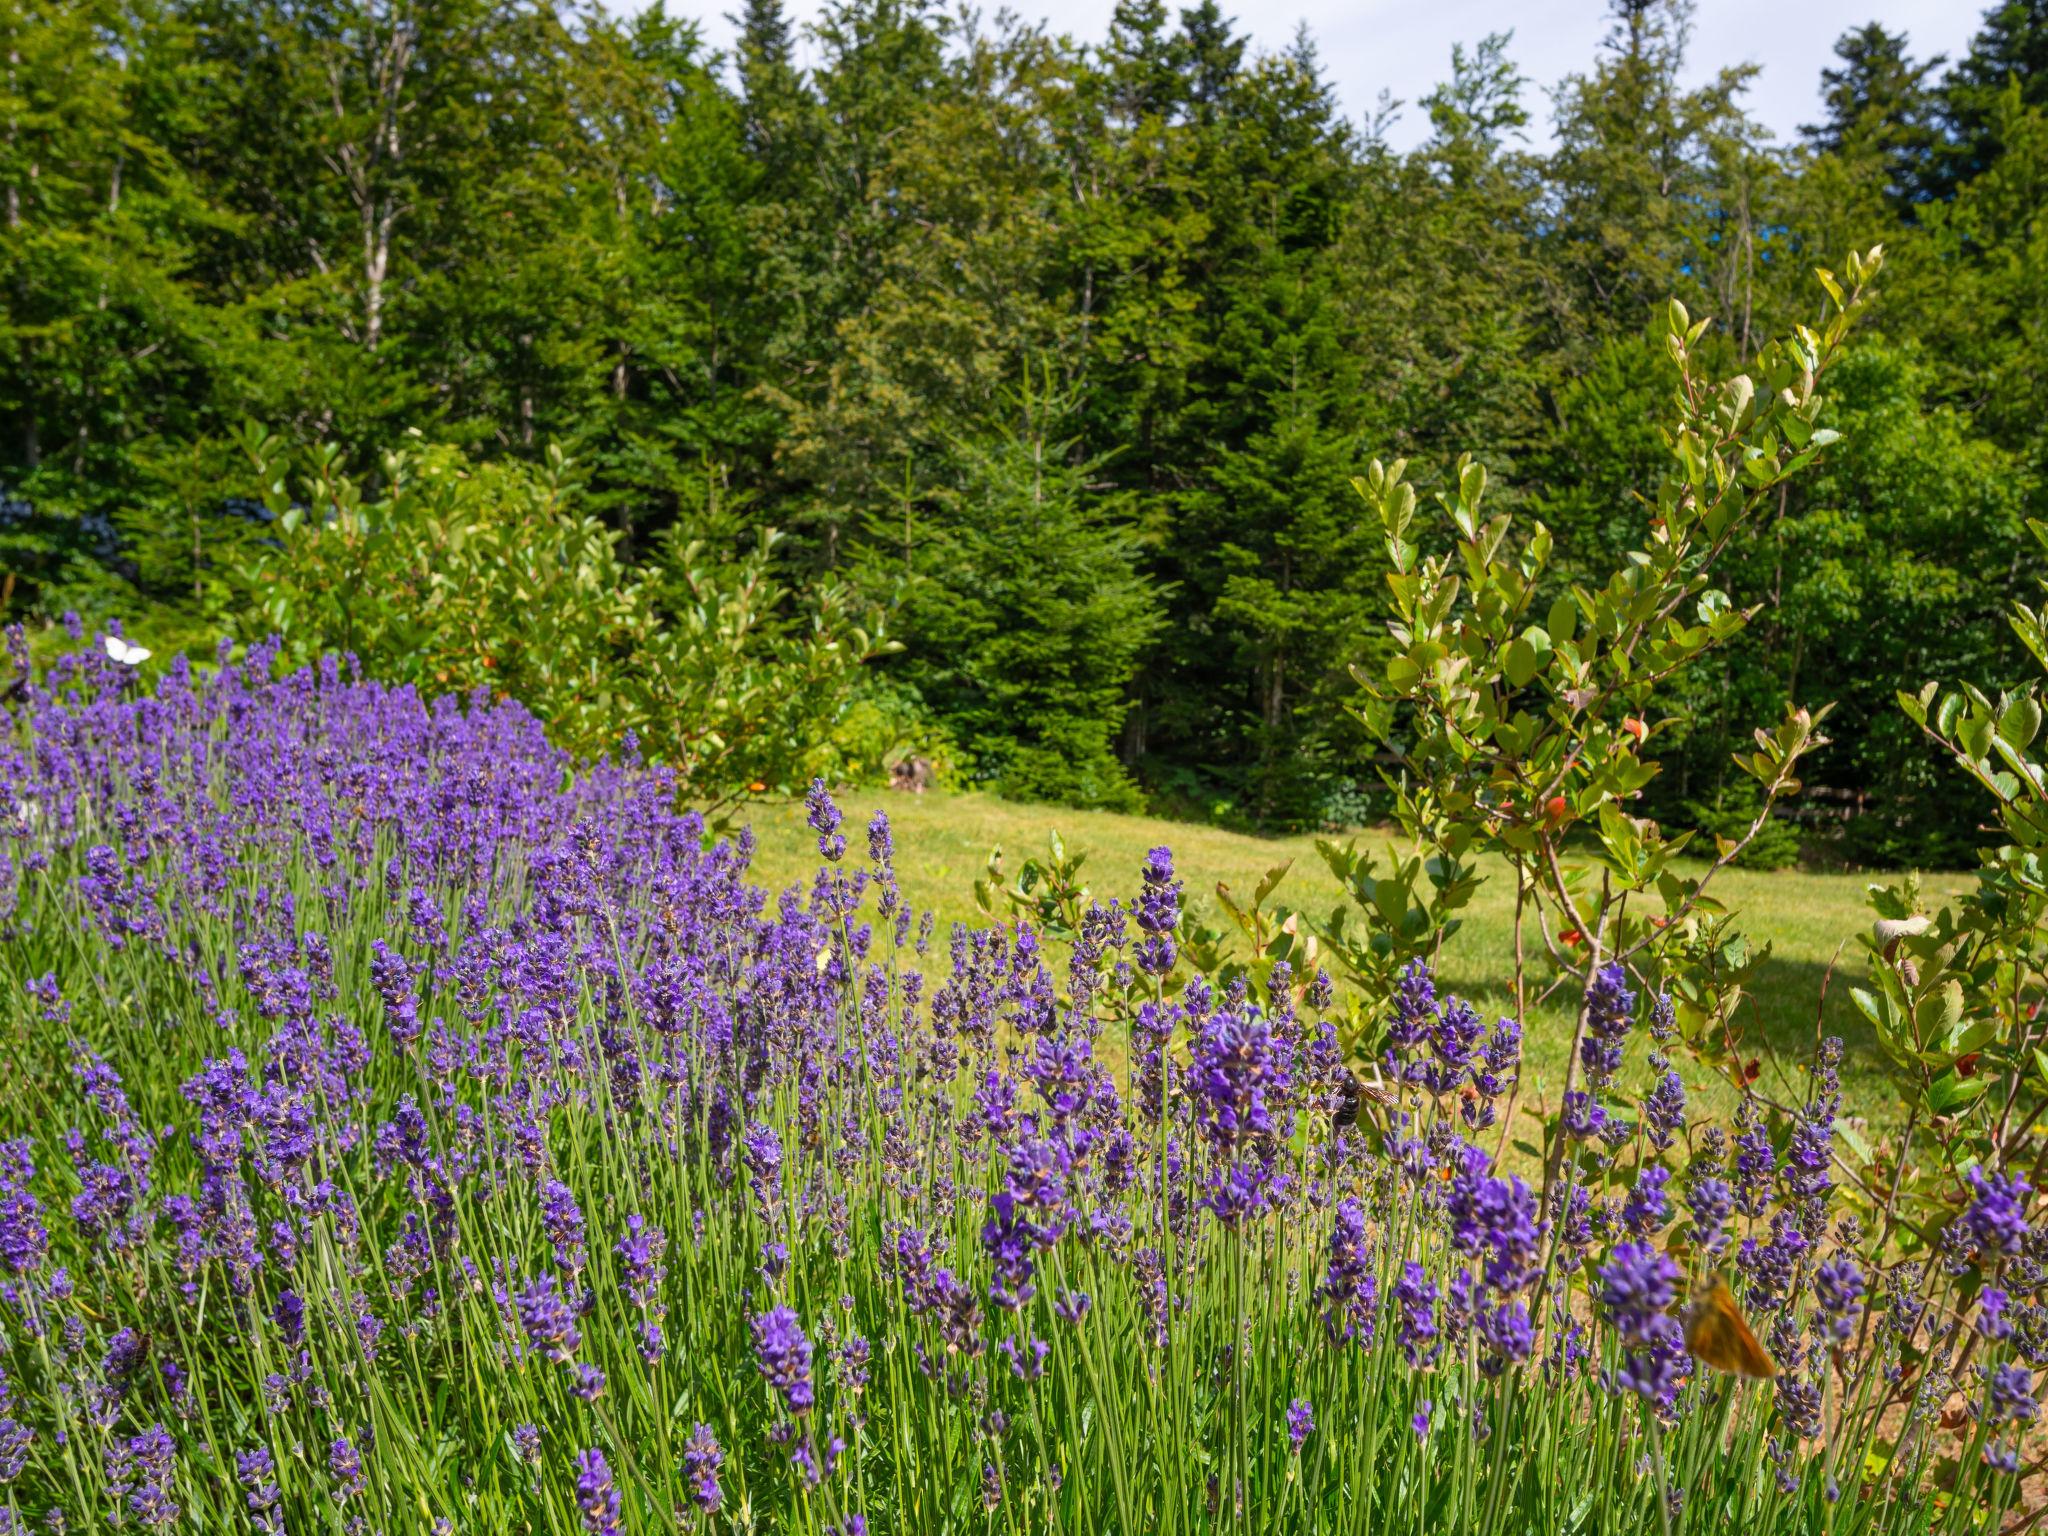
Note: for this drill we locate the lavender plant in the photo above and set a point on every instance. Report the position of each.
(412, 1129)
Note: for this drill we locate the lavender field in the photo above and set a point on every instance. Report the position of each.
(407, 1128)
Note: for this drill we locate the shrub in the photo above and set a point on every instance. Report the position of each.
(458, 577)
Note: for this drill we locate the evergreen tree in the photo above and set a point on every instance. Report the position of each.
(1880, 107)
(1031, 611)
(2008, 56)
(1640, 183)
(1270, 564)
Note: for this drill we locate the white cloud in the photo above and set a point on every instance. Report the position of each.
(1404, 46)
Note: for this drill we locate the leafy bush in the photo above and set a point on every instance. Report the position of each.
(1732, 813)
(459, 577)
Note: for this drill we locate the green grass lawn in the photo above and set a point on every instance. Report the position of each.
(943, 842)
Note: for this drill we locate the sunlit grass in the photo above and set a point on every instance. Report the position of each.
(1811, 920)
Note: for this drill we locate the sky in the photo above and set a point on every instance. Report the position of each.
(1404, 46)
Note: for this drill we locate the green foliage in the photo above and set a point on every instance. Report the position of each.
(1730, 815)
(1955, 997)
(456, 577)
(1032, 615)
(508, 225)
(1522, 717)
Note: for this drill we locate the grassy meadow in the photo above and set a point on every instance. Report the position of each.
(1811, 919)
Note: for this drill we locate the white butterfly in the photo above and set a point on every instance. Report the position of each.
(126, 654)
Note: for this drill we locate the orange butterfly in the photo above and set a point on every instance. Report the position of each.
(1716, 1333)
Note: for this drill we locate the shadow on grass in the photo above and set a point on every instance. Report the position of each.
(1779, 1022)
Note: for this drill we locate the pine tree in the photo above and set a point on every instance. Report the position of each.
(2008, 57)
(1030, 609)
(1651, 180)
(1880, 108)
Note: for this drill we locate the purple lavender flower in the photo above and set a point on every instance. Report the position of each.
(290, 1317)
(1416, 1295)
(2011, 1398)
(1756, 1161)
(549, 1323)
(1157, 914)
(256, 1472)
(1992, 1322)
(1647, 1209)
(24, 1240)
(1236, 1078)
(1799, 1406)
(1997, 1215)
(1301, 1423)
(1710, 1200)
(1582, 1116)
(1027, 1363)
(1664, 1111)
(853, 1362)
(15, 1441)
(1637, 1287)
(1838, 1285)
(651, 1342)
(1013, 1239)
(561, 1219)
(1321, 993)
(1663, 1019)
(391, 976)
(596, 1495)
(1508, 1334)
(784, 1357)
(823, 818)
(1349, 1289)
(1772, 1264)
(594, 972)
(1414, 1014)
(764, 1161)
(345, 1467)
(1453, 1041)
(1610, 1013)
(1495, 1074)
(1811, 1149)
(139, 1471)
(701, 1460)
(640, 1251)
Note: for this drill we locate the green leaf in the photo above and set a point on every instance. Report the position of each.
(1945, 714)
(2020, 721)
(1270, 881)
(1950, 1093)
(1563, 622)
(1472, 483)
(1936, 1015)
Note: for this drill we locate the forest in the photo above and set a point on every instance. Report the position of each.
(1049, 364)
